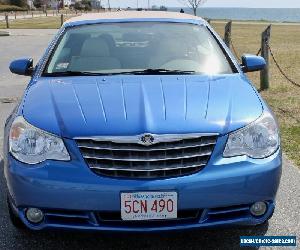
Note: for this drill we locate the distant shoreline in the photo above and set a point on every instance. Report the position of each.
(281, 15)
(237, 8)
(254, 22)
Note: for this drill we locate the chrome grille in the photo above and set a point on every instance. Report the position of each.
(126, 157)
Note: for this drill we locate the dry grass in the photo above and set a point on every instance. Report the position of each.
(283, 97)
(50, 22)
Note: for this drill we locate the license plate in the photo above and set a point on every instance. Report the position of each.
(149, 206)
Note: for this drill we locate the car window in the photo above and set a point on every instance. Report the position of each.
(128, 47)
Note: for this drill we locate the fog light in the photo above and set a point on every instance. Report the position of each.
(34, 215)
(258, 208)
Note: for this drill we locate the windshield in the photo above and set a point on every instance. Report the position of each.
(137, 48)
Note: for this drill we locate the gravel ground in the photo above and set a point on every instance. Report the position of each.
(286, 220)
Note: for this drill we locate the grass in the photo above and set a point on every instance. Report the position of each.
(283, 97)
(50, 22)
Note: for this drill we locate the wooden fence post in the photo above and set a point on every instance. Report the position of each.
(227, 35)
(6, 20)
(61, 19)
(46, 13)
(15, 15)
(32, 14)
(264, 74)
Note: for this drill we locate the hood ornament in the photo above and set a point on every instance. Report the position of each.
(147, 139)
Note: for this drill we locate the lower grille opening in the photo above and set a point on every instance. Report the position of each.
(114, 219)
(228, 213)
(228, 216)
(67, 220)
(68, 217)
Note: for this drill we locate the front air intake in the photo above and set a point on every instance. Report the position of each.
(135, 157)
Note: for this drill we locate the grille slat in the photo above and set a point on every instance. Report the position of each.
(140, 147)
(86, 156)
(182, 155)
(146, 169)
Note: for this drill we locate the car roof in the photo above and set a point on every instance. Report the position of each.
(133, 16)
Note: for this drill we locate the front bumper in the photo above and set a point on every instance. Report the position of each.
(71, 195)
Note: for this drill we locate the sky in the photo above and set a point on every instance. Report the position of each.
(210, 3)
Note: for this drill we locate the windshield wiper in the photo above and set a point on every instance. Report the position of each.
(74, 73)
(135, 72)
(157, 72)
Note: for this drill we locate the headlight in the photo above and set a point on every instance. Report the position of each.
(32, 145)
(258, 140)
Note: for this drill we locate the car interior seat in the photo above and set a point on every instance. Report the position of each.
(94, 56)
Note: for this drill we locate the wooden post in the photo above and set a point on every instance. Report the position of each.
(6, 20)
(15, 15)
(264, 74)
(32, 14)
(227, 35)
(46, 13)
(61, 19)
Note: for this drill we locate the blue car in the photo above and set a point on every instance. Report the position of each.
(140, 121)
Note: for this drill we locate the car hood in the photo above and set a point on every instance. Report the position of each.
(117, 105)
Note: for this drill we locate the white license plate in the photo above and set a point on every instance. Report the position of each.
(149, 205)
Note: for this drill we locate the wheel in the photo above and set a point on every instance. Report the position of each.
(15, 220)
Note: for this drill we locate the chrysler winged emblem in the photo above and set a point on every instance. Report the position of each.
(147, 139)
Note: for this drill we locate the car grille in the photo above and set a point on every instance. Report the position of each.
(114, 219)
(126, 157)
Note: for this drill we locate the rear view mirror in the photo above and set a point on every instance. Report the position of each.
(252, 63)
(22, 66)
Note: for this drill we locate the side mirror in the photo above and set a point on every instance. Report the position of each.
(22, 66)
(252, 63)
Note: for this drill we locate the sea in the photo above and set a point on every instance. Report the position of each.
(248, 14)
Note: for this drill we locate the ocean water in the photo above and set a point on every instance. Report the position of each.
(254, 14)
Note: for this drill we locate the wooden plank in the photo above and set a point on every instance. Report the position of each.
(6, 21)
(61, 19)
(227, 35)
(264, 74)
